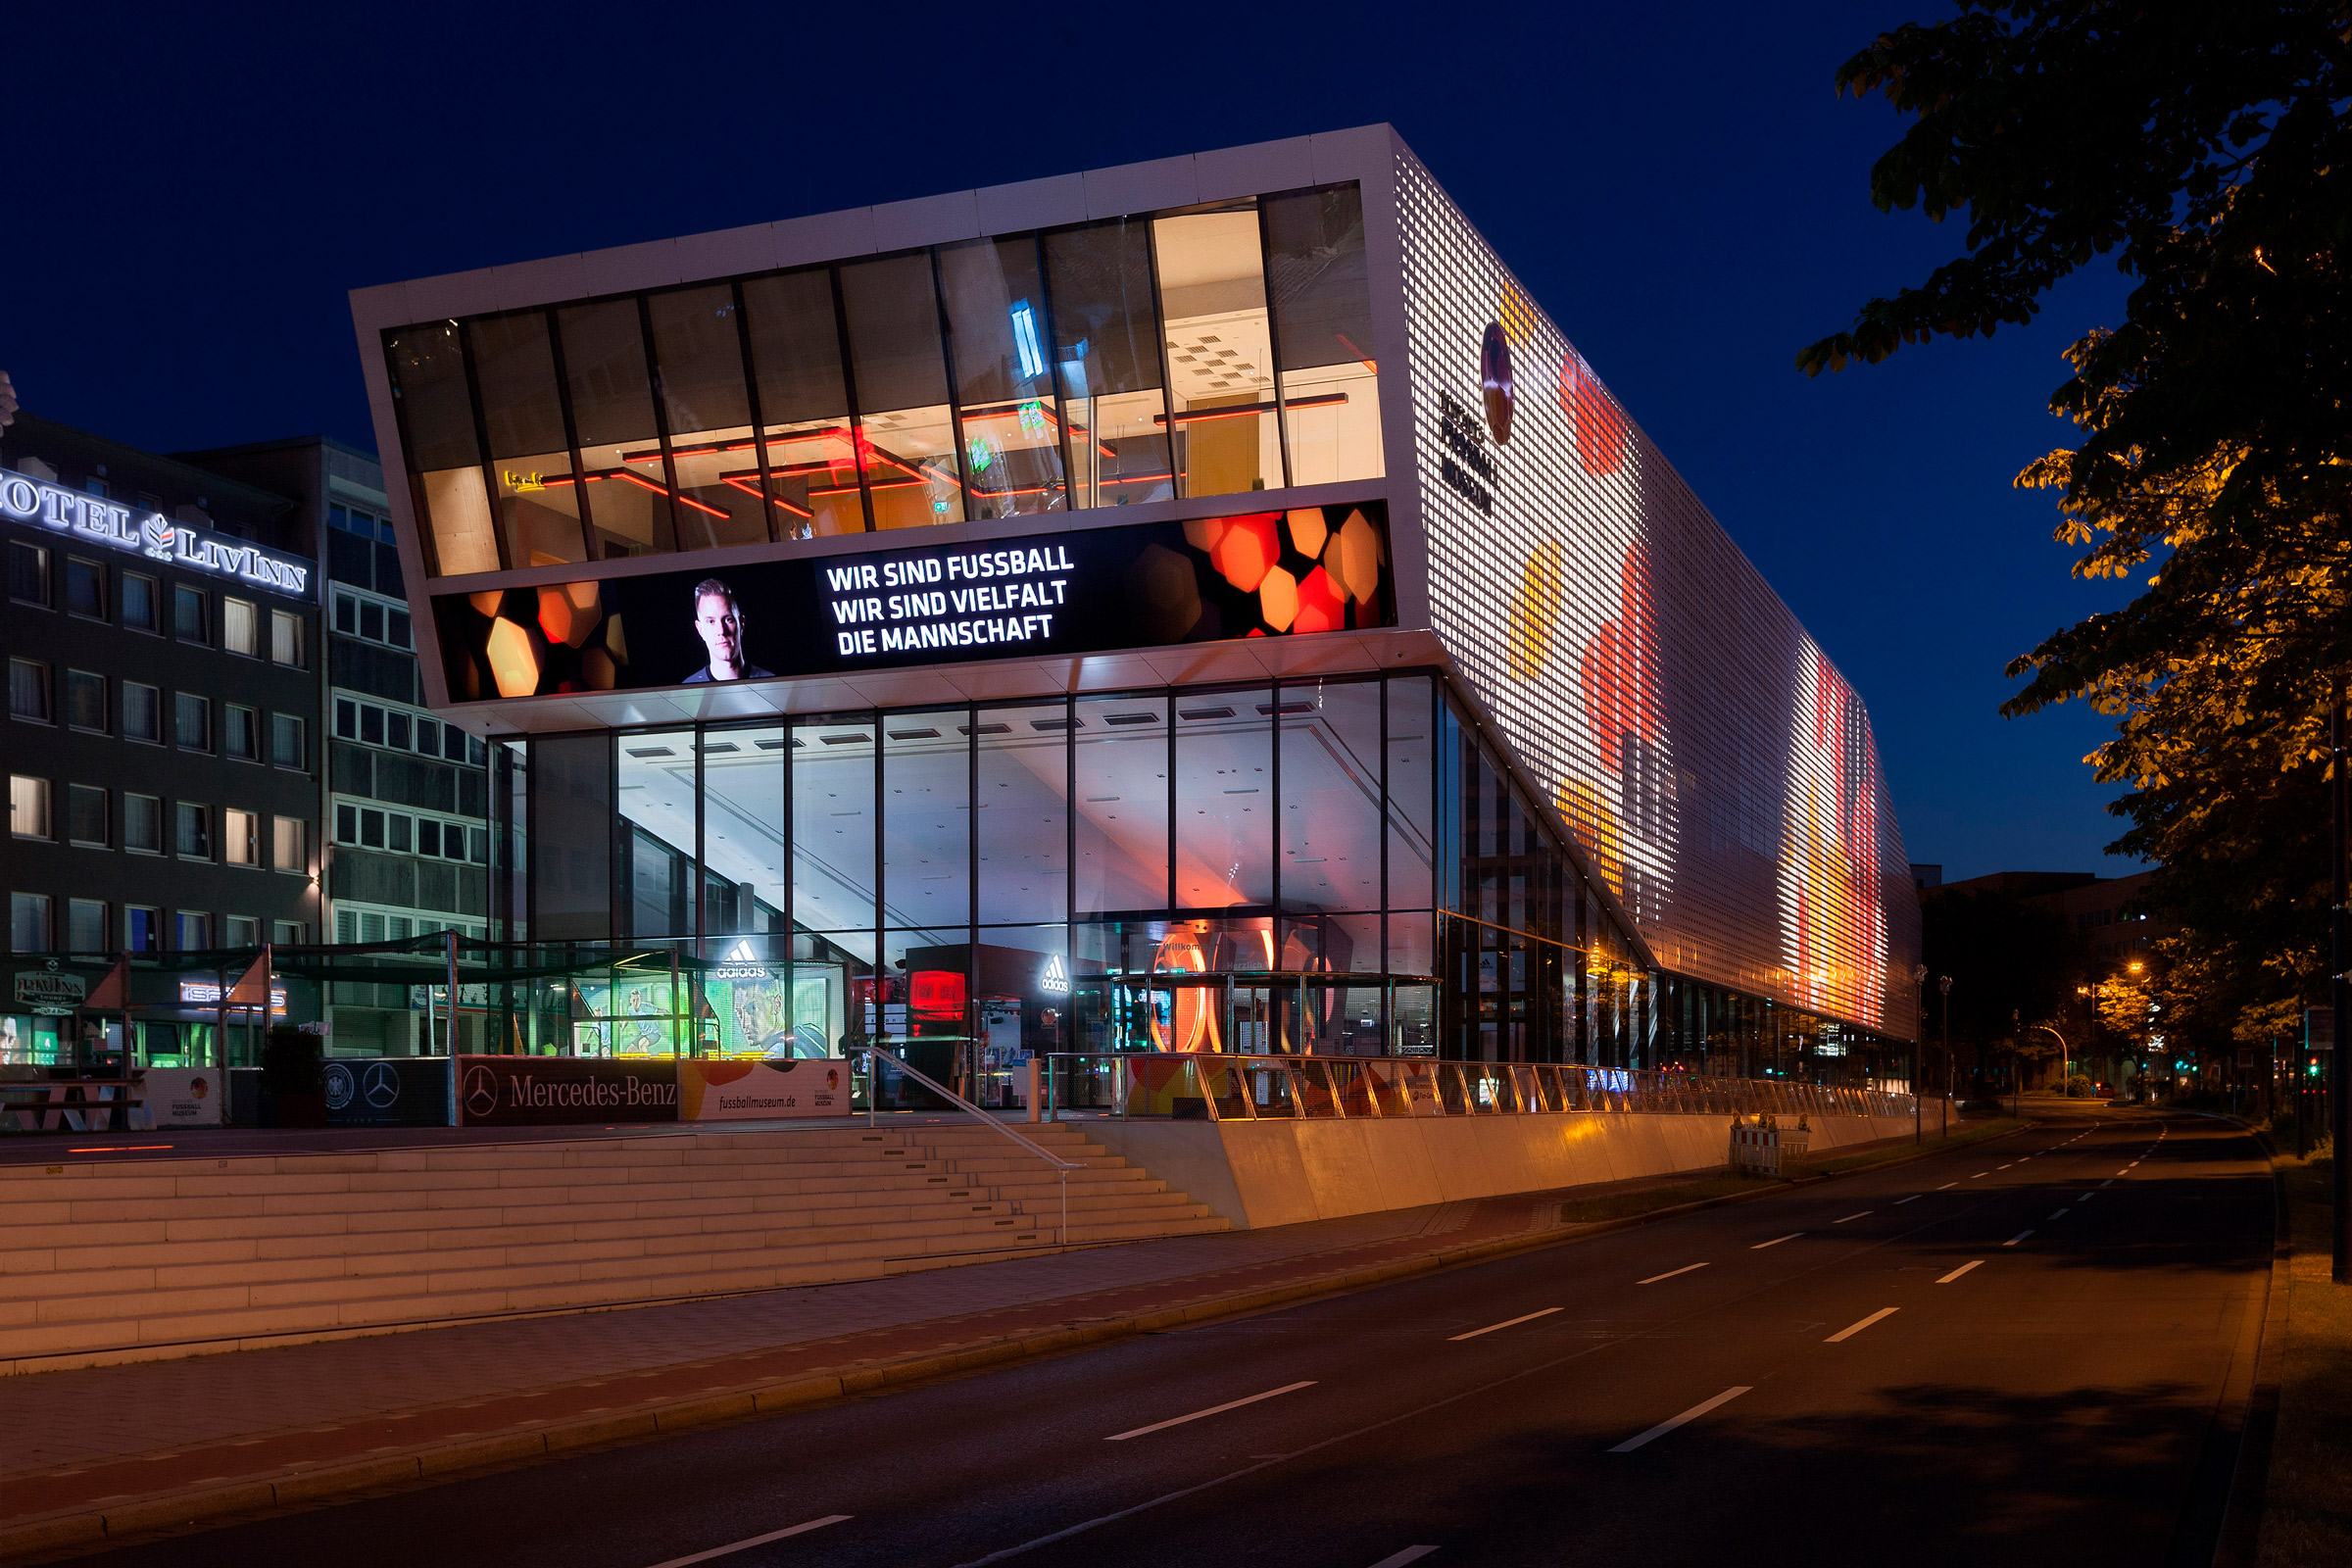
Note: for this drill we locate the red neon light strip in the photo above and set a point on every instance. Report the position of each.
(111, 1149)
(735, 482)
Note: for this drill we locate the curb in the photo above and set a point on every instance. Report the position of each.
(2240, 1535)
(330, 1482)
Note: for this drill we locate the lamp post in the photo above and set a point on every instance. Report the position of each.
(2061, 1039)
(1919, 977)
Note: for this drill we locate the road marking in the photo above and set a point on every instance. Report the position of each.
(2057, 1214)
(1408, 1554)
(1670, 1273)
(1947, 1186)
(1849, 1216)
(1507, 1323)
(1775, 1240)
(2087, 1197)
(1215, 1409)
(1962, 1269)
(2109, 1182)
(755, 1541)
(1852, 1329)
(1692, 1414)
(2019, 1237)
(2004, 1167)
(1912, 1199)
(1979, 1176)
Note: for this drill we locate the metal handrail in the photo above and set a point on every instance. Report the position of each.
(875, 1051)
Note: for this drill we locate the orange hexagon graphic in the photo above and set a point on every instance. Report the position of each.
(1321, 605)
(1248, 551)
(1308, 530)
(513, 663)
(1278, 599)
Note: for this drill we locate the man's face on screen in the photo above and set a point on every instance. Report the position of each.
(720, 624)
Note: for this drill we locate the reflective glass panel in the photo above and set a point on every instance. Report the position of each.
(536, 498)
(428, 365)
(571, 836)
(1224, 800)
(997, 325)
(654, 799)
(804, 405)
(1212, 296)
(623, 470)
(1331, 796)
(833, 832)
(1122, 803)
(1412, 850)
(1107, 355)
(926, 801)
(743, 833)
(698, 352)
(908, 434)
(1022, 817)
(1323, 317)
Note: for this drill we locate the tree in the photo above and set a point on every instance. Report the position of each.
(2207, 150)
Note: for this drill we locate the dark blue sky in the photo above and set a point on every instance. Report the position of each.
(191, 192)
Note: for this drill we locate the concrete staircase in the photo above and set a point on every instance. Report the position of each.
(181, 1257)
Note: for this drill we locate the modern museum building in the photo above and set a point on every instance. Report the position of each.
(1200, 606)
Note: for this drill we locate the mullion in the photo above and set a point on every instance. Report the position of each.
(571, 436)
(857, 415)
(751, 402)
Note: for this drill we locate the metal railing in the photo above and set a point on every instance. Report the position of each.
(1239, 1088)
(877, 1053)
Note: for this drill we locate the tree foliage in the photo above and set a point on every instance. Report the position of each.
(2205, 148)
(2014, 964)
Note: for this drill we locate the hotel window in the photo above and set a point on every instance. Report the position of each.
(346, 824)
(143, 824)
(347, 720)
(86, 817)
(142, 929)
(286, 640)
(240, 837)
(29, 922)
(290, 844)
(396, 731)
(86, 926)
(142, 712)
(288, 748)
(28, 806)
(244, 931)
(85, 701)
(396, 629)
(371, 724)
(1212, 296)
(427, 366)
(537, 497)
(195, 931)
(699, 348)
(371, 621)
(477, 845)
(347, 615)
(1323, 321)
(623, 477)
(803, 404)
(292, 933)
(191, 721)
(138, 600)
(372, 829)
(914, 471)
(195, 831)
(28, 690)
(240, 626)
(996, 302)
(428, 737)
(188, 620)
(86, 588)
(1107, 355)
(28, 573)
(395, 836)
(241, 735)
(429, 836)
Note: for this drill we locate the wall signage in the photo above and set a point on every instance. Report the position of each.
(387, 1092)
(1467, 468)
(44, 989)
(151, 534)
(207, 993)
(1080, 591)
(525, 1090)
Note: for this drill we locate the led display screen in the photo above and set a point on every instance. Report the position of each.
(1081, 591)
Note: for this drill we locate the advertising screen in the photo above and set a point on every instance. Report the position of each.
(1259, 574)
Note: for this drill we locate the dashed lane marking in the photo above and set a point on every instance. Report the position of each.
(1850, 1216)
(1689, 1415)
(1197, 1415)
(1670, 1273)
(1962, 1269)
(2019, 1237)
(1400, 1558)
(1912, 1199)
(1852, 1329)
(755, 1541)
(1506, 1323)
(1775, 1240)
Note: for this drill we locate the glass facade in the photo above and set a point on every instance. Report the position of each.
(1342, 866)
(1214, 351)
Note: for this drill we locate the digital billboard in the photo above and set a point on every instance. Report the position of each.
(1080, 591)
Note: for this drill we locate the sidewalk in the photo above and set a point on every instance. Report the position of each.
(108, 1453)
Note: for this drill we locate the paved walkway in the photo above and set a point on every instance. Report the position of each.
(79, 1438)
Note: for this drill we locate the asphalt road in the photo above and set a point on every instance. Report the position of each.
(2008, 1355)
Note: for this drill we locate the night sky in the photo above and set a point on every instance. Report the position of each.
(191, 191)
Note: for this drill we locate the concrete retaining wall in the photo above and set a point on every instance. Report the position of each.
(1259, 1173)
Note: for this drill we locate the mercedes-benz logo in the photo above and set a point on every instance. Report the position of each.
(338, 1086)
(482, 1093)
(380, 1085)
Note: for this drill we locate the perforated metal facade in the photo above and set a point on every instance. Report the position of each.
(1718, 769)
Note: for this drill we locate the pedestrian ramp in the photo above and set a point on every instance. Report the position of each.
(176, 1257)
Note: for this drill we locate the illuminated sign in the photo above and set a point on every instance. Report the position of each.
(1055, 978)
(1080, 591)
(205, 993)
(937, 992)
(151, 534)
(741, 964)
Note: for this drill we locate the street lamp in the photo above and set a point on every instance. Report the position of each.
(2062, 1052)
